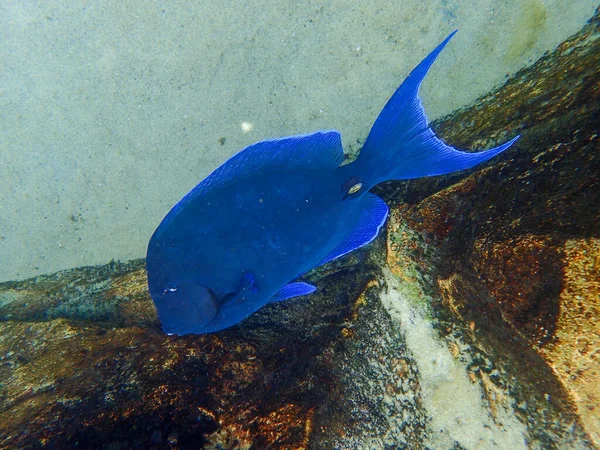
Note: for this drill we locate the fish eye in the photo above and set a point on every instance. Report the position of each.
(170, 288)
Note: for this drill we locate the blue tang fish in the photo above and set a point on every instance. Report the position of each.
(282, 207)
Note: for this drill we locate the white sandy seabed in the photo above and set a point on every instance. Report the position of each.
(110, 112)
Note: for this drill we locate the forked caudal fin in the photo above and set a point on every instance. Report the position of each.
(402, 146)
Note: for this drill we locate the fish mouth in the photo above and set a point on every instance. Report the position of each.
(192, 315)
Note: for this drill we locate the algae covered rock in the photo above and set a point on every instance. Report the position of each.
(509, 254)
(472, 323)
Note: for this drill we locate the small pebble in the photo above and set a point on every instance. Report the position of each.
(173, 437)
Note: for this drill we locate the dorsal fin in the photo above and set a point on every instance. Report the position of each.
(321, 149)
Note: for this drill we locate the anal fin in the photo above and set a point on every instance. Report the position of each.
(372, 217)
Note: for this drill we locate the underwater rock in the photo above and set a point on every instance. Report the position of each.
(297, 374)
(473, 324)
(512, 251)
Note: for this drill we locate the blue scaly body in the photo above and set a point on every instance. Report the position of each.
(282, 207)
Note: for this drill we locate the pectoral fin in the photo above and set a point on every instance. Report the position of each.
(247, 287)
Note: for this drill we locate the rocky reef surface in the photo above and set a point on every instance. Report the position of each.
(473, 323)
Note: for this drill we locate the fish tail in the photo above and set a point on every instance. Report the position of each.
(401, 145)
